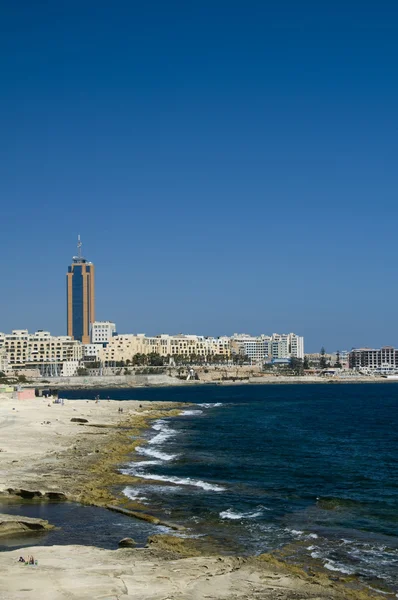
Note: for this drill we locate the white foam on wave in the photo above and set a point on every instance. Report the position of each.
(210, 404)
(155, 453)
(165, 432)
(191, 412)
(134, 494)
(230, 514)
(180, 481)
(132, 468)
(295, 531)
(331, 565)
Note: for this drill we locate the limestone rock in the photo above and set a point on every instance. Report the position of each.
(12, 524)
(127, 543)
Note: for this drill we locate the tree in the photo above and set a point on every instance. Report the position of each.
(322, 361)
(155, 360)
(297, 366)
(306, 364)
(337, 364)
(81, 371)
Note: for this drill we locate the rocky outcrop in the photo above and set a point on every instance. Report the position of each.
(127, 543)
(14, 524)
(33, 494)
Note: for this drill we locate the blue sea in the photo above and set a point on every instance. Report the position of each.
(312, 469)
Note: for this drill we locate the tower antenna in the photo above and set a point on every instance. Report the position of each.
(79, 247)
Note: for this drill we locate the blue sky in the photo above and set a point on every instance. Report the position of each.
(230, 166)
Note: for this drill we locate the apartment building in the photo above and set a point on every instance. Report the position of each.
(24, 348)
(276, 346)
(383, 359)
(255, 348)
(102, 331)
(124, 347)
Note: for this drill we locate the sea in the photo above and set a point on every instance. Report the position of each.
(310, 470)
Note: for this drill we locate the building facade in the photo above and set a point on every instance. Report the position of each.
(124, 347)
(80, 297)
(257, 349)
(102, 332)
(263, 347)
(381, 360)
(37, 349)
(3, 361)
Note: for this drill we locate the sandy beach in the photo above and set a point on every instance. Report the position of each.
(45, 453)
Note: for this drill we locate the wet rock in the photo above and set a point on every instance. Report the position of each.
(78, 420)
(13, 524)
(127, 543)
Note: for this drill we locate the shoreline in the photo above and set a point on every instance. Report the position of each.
(80, 461)
(98, 383)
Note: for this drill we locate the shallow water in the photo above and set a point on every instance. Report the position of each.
(259, 467)
(76, 524)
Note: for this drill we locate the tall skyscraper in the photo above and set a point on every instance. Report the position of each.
(80, 297)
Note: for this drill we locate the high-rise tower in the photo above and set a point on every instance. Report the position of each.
(80, 297)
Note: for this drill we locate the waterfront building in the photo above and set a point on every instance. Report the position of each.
(381, 360)
(38, 349)
(80, 297)
(102, 331)
(263, 347)
(257, 349)
(124, 347)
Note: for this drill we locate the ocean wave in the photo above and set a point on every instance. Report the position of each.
(331, 565)
(165, 432)
(230, 514)
(180, 481)
(154, 453)
(191, 412)
(299, 533)
(134, 494)
(210, 404)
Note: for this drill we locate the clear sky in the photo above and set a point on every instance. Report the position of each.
(230, 165)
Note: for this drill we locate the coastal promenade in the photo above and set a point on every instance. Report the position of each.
(220, 376)
(71, 451)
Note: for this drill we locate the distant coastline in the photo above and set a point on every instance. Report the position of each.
(139, 381)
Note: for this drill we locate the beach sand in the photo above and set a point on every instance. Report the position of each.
(45, 454)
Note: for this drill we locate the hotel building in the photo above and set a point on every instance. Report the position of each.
(383, 360)
(124, 347)
(80, 297)
(263, 347)
(22, 348)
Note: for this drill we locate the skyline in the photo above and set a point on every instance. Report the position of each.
(230, 169)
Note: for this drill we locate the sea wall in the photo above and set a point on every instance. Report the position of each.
(108, 381)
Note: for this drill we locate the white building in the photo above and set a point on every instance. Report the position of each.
(69, 368)
(102, 332)
(91, 350)
(258, 349)
(287, 345)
